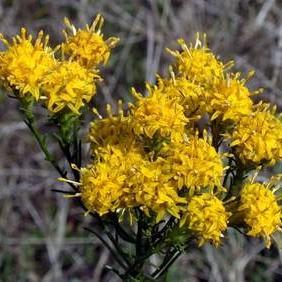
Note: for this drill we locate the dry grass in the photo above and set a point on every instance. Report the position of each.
(41, 235)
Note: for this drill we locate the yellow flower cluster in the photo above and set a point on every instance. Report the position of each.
(207, 217)
(229, 100)
(260, 211)
(164, 155)
(167, 153)
(195, 164)
(125, 178)
(87, 46)
(187, 94)
(198, 63)
(24, 63)
(257, 137)
(112, 130)
(105, 184)
(31, 68)
(150, 157)
(68, 85)
(157, 114)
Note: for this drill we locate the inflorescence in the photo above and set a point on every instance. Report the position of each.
(174, 151)
(61, 77)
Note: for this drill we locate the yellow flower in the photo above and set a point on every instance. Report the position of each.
(157, 114)
(260, 211)
(230, 100)
(122, 179)
(105, 186)
(194, 164)
(101, 188)
(112, 130)
(207, 218)
(155, 192)
(198, 63)
(24, 64)
(87, 46)
(186, 93)
(68, 85)
(258, 137)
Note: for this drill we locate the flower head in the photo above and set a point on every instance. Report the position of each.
(24, 63)
(101, 188)
(207, 218)
(112, 130)
(258, 137)
(194, 164)
(260, 211)
(87, 46)
(198, 63)
(124, 178)
(68, 85)
(186, 93)
(158, 114)
(105, 186)
(154, 190)
(230, 100)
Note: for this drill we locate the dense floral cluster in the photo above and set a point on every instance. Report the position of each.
(257, 137)
(206, 216)
(183, 150)
(260, 210)
(32, 68)
(167, 154)
(87, 46)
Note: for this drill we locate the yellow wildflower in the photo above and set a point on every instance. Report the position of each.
(24, 64)
(154, 190)
(186, 93)
(198, 64)
(87, 46)
(124, 179)
(260, 211)
(230, 100)
(157, 114)
(112, 130)
(101, 188)
(258, 137)
(105, 186)
(207, 218)
(194, 164)
(68, 85)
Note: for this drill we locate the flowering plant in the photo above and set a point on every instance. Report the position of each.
(168, 172)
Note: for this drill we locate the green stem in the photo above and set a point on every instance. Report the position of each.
(120, 262)
(160, 235)
(139, 236)
(119, 250)
(140, 246)
(111, 238)
(237, 181)
(216, 138)
(164, 267)
(121, 232)
(26, 109)
(41, 142)
(65, 148)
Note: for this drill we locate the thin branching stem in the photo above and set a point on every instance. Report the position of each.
(115, 255)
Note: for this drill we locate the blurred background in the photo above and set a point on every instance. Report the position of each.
(41, 234)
